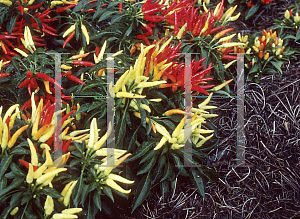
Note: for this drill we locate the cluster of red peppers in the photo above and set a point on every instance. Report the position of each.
(177, 76)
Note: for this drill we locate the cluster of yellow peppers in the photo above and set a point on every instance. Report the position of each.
(104, 170)
(6, 124)
(260, 44)
(187, 127)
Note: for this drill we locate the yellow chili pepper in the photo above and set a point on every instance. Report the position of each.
(98, 145)
(68, 194)
(128, 95)
(34, 158)
(68, 31)
(6, 2)
(219, 87)
(49, 205)
(9, 112)
(181, 31)
(49, 175)
(13, 139)
(21, 52)
(178, 128)
(29, 177)
(109, 169)
(161, 143)
(85, 33)
(13, 212)
(71, 211)
(115, 186)
(65, 190)
(119, 178)
(4, 136)
(31, 2)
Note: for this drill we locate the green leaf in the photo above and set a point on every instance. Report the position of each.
(80, 5)
(161, 163)
(5, 162)
(277, 66)
(252, 11)
(17, 170)
(148, 156)
(168, 123)
(11, 24)
(108, 192)
(230, 1)
(113, 3)
(198, 182)
(129, 30)
(142, 149)
(106, 15)
(15, 183)
(297, 36)
(147, 166)
(254, 68)
(84, 193)
(142, 192)
(167, 172)
(51, 192)
(97, 200)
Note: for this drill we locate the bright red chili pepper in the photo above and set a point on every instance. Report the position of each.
(154, 18)
(26, 164)
(75, 79)
(67, 116)
(33, 83)
(216, 29)
(21, 9)
(7, 37)
(77, 62)
(66, 145)
(35, 6)
(47, 78)
(65, 8)
(27, 104)
(29, 88)
(120, 7)
(3, 75)
(143, 37)
(50, 140)
(71, 35)
(230, 57)
(24, 83)
(50, 115)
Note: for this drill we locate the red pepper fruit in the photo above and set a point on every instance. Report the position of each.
(29, 74)
(77, 62)
(154, 18)
(35, 6)
(120, 7)
(50, 140)
(50, 115)
(24, 83)
(71, 35)
(143, 37)
(216, 29)
(33, 83)
(65, 8)
(27, 104)
(75, 79)
(21, 9)
(26, 164)
(29, 88)
(47, 78)
(3, 75)
(230, 57)
(7, 37)
(66, 146)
